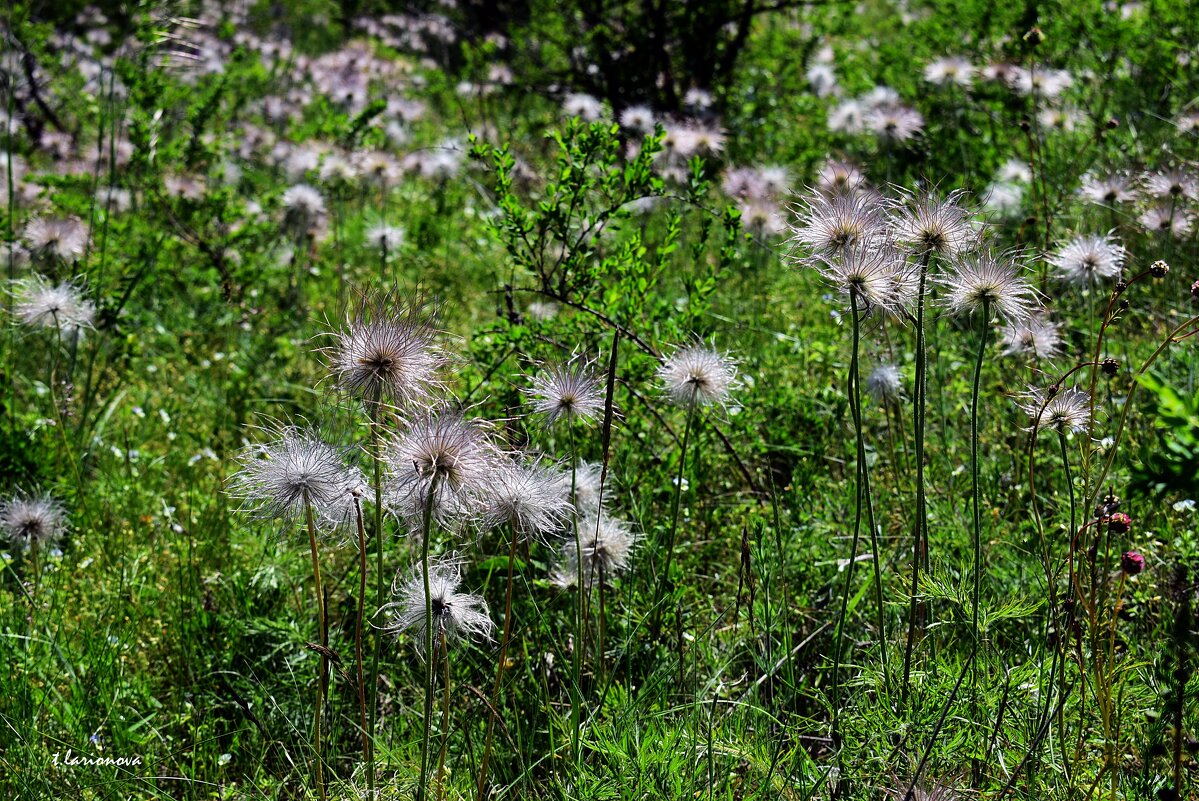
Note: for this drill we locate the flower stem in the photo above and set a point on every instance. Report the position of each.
(445, 718)
(499, 670)
(918, 529)
(576, 693)
(374, 409)
(974, 482)
(430, 661)
(358, 659)
(323, 677)
(671, 535)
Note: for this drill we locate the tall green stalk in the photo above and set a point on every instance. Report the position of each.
(499, 670)
(430, 661)
(576, 693)
(374, 413)
(974, 482)
(323, 679)
(921, 515)
(358, 658)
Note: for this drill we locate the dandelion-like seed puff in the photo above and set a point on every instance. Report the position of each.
(387, 350)
(989, 281)
(606, 544)
(32, 520)
(1087, 259)
(1064, 411)
(279, 479)
(928, 225)
(830, 224)
(530, 498)
(42, 304)
(696, 375)
(456, 615)
(570, 392)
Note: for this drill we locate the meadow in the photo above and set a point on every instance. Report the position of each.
(600, 400)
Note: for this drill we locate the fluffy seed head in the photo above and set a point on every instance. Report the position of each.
(441, 461)
(991, 282)
(1087, 259)
(1036, 336)
(29, 520)
(698, 376)
(65, 238)
(885, 384)
(385, 238)
(924, 225)
(869, 276)
(387, 350)
(41, 304)
(1107, 190)
(569, 392)
(528, 497)
(894, 123)
(296, 469)
(456, 615)
(829, 224)
(1063, 411)
(606, 545)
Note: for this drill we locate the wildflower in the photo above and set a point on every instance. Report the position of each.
(950, 70)
(821, 79)
(826, 225)
(606, 544)
(1063, 411)
(884, 384)
(1119, 523)
(927, 225)
(304, 206)
(1003, 199)
(529, 498)
(1171, 184)
(587, 486)
(1035, 335)
(847, 117)
(385, 238)
(1159, 269)
(1107, 190)
(65, 238)
(868, 276)
(1132, 563)
(296, 471)
(387, 351)
(1086, 259)
(1014, 171)
(569, 392)
(456, 615)
(32, 521)
(44, 305)
(443, 463)
(762, 217)
(839, 176)
(987, 281)
(638, 118)
(583, 106)
(1045, 83)
(894, 123)
(1165, 218)
(698, 376)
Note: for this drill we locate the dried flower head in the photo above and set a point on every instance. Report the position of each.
(456, 615)
(1063, 411)
(528, 497)
(885, 384)
(387, 350)
(1036, 336)
(828, 224)
(928, 225)
(65, 238)
(1132, 563)
(953, 70)
(294, 471)
(696, 375)
(32, 520)
(1167, 219)
(868, 276)
(894, 123)
(988, 281)
(606, 544)
(441, 462)
(385, 238)
(569, 392)
(1087, 259)
(41, 304)
(1108, 190)
(1171, 184)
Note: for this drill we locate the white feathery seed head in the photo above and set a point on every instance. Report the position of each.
(569, 391)
(885, 384)
(442, 462)
(42, 304)
(696, 375)
(994, 282)
(1036, 336)
(871, 277)
(32, 520)
(528, 497)
(1066, 410)
(456, 615)
(64, 237)
(926, 224)
(606, 544)
(295, 470)
(1087, 259)
(826, 224)
(387, 350)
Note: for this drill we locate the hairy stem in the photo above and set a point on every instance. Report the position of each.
(323, 676)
